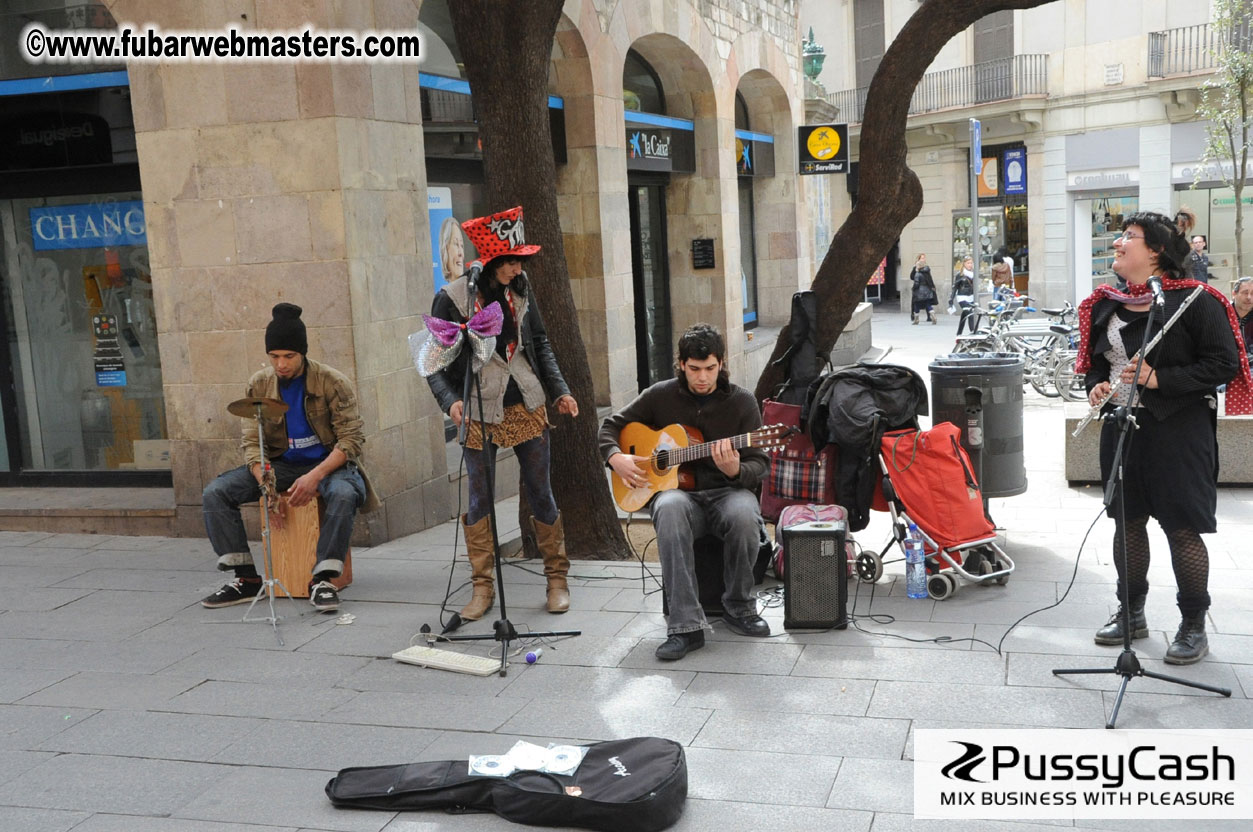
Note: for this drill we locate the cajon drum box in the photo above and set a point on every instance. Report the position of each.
(295, 549)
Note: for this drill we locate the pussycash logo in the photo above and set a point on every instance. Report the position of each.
(1144, 763)
(963, 766)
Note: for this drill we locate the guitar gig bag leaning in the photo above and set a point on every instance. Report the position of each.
(631, 785)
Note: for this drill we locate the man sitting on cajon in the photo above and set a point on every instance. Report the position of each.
(314, 449)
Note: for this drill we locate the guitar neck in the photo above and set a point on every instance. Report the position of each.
(703, 449)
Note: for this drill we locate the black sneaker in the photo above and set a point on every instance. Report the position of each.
(324, 596)
(237, 591)
(679, 645)
(748, 625)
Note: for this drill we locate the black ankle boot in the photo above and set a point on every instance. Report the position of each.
(1190, 643)
(1111, 633)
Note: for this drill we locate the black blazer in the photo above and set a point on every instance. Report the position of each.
(1198, 354)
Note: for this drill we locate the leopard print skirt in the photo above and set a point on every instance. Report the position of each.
(519, 425)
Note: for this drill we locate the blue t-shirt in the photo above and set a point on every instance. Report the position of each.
(303, 445)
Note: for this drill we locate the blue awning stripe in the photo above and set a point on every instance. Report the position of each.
(63, 83)
(750, 136)
(459, 85)
(654, 120)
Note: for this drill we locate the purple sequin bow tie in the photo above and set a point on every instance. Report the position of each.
(443, 340)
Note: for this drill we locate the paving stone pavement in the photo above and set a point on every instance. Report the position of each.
(127, 707)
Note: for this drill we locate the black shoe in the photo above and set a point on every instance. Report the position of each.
(748, 625)
(1111, 633)
(324, 596)
(1190, 643)
(680, 644)
(238, 591)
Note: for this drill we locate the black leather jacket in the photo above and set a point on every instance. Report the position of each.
(447, 385)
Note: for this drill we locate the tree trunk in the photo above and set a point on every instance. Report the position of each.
(890, 194)
(1237, 179)
(507, 47)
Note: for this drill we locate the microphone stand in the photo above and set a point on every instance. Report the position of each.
(502, 630)
(1128, 664)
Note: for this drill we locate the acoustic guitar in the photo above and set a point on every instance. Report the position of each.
(667, 449)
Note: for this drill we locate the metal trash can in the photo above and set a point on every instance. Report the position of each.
(983, 391)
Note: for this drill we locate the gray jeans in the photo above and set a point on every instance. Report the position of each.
(343, 492)
(680, 517)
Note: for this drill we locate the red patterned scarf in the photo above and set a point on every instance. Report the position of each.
(1239, 399)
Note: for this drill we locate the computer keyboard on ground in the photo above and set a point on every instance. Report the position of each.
(448, 660)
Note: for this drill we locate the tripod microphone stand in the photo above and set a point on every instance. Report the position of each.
(1128, 664)
(258, 407)
(502, 629)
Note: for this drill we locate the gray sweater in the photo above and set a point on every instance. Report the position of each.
(728, 411)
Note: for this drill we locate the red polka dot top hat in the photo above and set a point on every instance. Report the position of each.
(499, 235)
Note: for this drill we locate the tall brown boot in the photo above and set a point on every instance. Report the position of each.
(551, 541)
(481, 553)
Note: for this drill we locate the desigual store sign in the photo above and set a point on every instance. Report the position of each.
(90, 225)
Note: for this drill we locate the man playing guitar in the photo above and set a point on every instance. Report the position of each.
(721, 499)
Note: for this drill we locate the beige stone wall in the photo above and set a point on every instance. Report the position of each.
(296, 182)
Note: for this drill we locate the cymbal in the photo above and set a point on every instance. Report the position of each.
(247, 408)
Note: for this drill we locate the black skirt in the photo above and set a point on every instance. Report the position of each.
(1172, 468)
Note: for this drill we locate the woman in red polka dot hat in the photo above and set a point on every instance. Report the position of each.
(518, 378)
(1171, 472)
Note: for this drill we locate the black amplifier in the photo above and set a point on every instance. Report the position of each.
(815, 575)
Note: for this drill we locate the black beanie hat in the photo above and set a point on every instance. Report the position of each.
(286, 331)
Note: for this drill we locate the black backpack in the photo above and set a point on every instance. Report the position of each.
(632, 785)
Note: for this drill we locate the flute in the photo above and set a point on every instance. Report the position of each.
(1095, 411)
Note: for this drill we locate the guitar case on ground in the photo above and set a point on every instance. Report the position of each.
(631, 785)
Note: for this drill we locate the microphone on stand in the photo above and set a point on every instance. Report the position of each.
(1155, 286)
(476, 269)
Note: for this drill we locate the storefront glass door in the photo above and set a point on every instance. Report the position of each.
(81, 335)
(654, 348)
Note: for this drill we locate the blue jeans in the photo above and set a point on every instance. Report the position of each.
(681, 517)
(343, 492)
(533, 460)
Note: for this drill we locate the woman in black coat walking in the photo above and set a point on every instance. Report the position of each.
(963, 295)
(924, 290)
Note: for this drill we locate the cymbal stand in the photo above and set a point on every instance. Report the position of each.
(270, 580)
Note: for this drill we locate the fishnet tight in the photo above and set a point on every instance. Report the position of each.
(1188, 556)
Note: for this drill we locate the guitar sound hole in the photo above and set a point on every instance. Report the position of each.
(663, 459)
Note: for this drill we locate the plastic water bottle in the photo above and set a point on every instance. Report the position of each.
(915, 564)
(533, 656)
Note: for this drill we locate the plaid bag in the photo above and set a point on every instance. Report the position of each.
(797, 475)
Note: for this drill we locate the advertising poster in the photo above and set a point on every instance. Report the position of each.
(987, 178)
(1016, 171)
(448, 251)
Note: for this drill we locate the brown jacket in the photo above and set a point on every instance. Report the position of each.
(330, 407)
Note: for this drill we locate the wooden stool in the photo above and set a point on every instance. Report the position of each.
(294, 548)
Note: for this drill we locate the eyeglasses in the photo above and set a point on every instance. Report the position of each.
(1127, 235)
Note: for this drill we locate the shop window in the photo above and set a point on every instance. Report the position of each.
(748, 247)
(641, 88)
(1108, 213)
(83, 334)
(1215, 209)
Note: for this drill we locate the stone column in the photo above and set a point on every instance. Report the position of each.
(289, 182)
